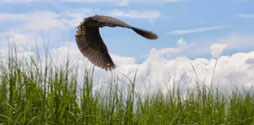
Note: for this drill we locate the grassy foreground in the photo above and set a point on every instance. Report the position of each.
(32, 93)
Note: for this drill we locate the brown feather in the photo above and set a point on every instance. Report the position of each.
(91, 44)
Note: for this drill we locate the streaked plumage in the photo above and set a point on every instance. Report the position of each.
(91, 44)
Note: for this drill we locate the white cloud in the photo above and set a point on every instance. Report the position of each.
(159, 72)
(68, 50)
(231, 71)
(134, 14)
(27, 40)
(234, 43)
(46, 20)
(181, 43)
(239, 42)
(42, 20)
(217, 49)
(195, 30)
(20, 55)
(126, 65)
(246, 15)
(156, 53)
(52, 21)
(75, 16)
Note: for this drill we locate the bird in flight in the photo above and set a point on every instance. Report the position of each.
(91, 44)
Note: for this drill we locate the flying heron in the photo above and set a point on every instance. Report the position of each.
(91, 44)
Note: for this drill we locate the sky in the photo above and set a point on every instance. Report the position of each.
(191, 33)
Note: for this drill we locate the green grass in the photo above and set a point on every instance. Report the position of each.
(31, 93)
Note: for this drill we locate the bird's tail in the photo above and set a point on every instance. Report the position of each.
(144, 33)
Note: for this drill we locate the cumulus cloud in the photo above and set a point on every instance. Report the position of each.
(231, 71)
(156, 53)
(217, 49)
(20, 55)
(239, 42)
(28, 40)
(20, 42)
(159, 72)
(195, 30)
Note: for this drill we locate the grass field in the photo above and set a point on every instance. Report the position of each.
(31, 93)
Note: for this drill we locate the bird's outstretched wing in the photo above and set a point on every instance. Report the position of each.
(113, 22)
(92, 46)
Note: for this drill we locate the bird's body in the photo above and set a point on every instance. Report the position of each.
(91, 44)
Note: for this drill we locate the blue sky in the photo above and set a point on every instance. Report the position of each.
(200, 23)
(197, 32)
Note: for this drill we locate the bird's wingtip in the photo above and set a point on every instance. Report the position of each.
(146, 34)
